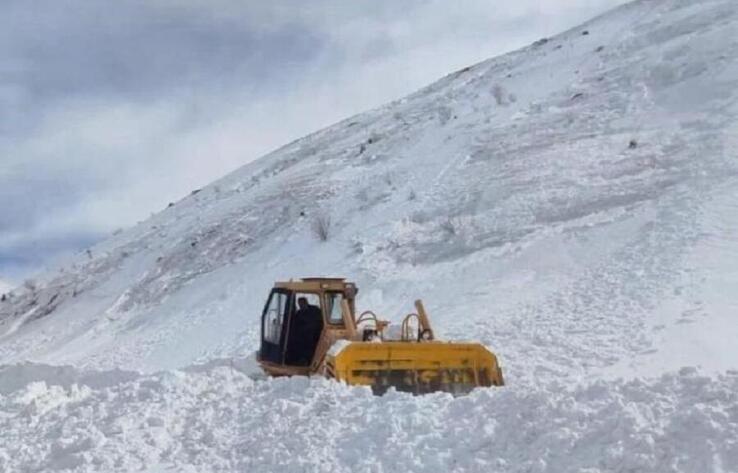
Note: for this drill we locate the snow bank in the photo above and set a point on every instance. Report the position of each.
(14, 377)
(220, 420)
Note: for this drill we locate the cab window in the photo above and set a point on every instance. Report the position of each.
(274, 317)
(333, 307)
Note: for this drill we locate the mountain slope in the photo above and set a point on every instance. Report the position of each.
(568, 204)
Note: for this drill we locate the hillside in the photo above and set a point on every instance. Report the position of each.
(512, 184)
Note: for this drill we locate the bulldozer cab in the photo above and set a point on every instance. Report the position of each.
(296, 315)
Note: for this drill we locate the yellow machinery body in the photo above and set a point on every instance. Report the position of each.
(415, 367)
(359, 350)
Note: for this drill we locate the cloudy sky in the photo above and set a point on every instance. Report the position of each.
(110, 110)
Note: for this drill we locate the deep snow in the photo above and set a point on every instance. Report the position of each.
(572, 205)
(217, 419)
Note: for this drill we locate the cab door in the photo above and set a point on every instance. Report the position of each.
(274, 323)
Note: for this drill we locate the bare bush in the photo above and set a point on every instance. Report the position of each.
(30, 285)
(499, 93)
(457, 226)
(450, 225)
(398, 116)
(444, 115)
(358, 247)
(322, 226)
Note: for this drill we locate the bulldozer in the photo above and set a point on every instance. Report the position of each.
(311, 327)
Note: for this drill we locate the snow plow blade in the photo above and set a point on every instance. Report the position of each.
(415, 367)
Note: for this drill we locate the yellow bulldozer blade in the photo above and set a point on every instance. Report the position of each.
(415, 367)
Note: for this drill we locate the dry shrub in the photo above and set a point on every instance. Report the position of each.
(321, 226)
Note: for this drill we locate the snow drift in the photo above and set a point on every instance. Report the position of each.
(572, 205)
(218, 420)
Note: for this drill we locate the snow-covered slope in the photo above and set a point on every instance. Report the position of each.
(508, 195)
(573, 205)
